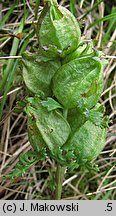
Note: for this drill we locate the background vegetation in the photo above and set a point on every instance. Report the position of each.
(97, 19)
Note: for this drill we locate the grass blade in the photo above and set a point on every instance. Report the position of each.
(91, 9)
(81, 3)
(11, 66)
(7, 15)
(110, 28)
(36, 8)
(11, 75)
(110, 16)
(11, 61)
(73, 7)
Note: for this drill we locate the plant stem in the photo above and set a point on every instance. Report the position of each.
(60, 172)
(59, 179)
(65, 113)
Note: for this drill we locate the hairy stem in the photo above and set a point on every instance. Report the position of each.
(59, 179)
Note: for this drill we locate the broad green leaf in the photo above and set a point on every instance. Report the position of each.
(37, 74)
(79, 83)
(53, 129)
(58, 31)
(51, 104)
(76, 119)
(88, 141)
(34, 134)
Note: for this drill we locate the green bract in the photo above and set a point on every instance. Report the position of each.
(87, 141)
(57, 30)
(83, 49)
(46, 128)
(79, 82)
(37, 74)
(76, 119)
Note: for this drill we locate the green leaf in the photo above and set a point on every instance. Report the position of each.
(20, 105)
(25, 163)
(52, 130)
(57, 30)
(51, 104)
(96, 118)
(82, 50)
(88, 141)
(79, 83)
(76, 119)
(95, 115)
(34, 134)
(78, 122)
(99, 108)
(37, 74)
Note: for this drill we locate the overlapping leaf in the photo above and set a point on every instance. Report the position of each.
(37, 74)
(49, 128)
(79, 82)
(83, 49)
(88, 141)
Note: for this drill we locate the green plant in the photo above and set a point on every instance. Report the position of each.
(64, 80)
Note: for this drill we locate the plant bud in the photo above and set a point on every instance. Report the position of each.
(57, 30)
